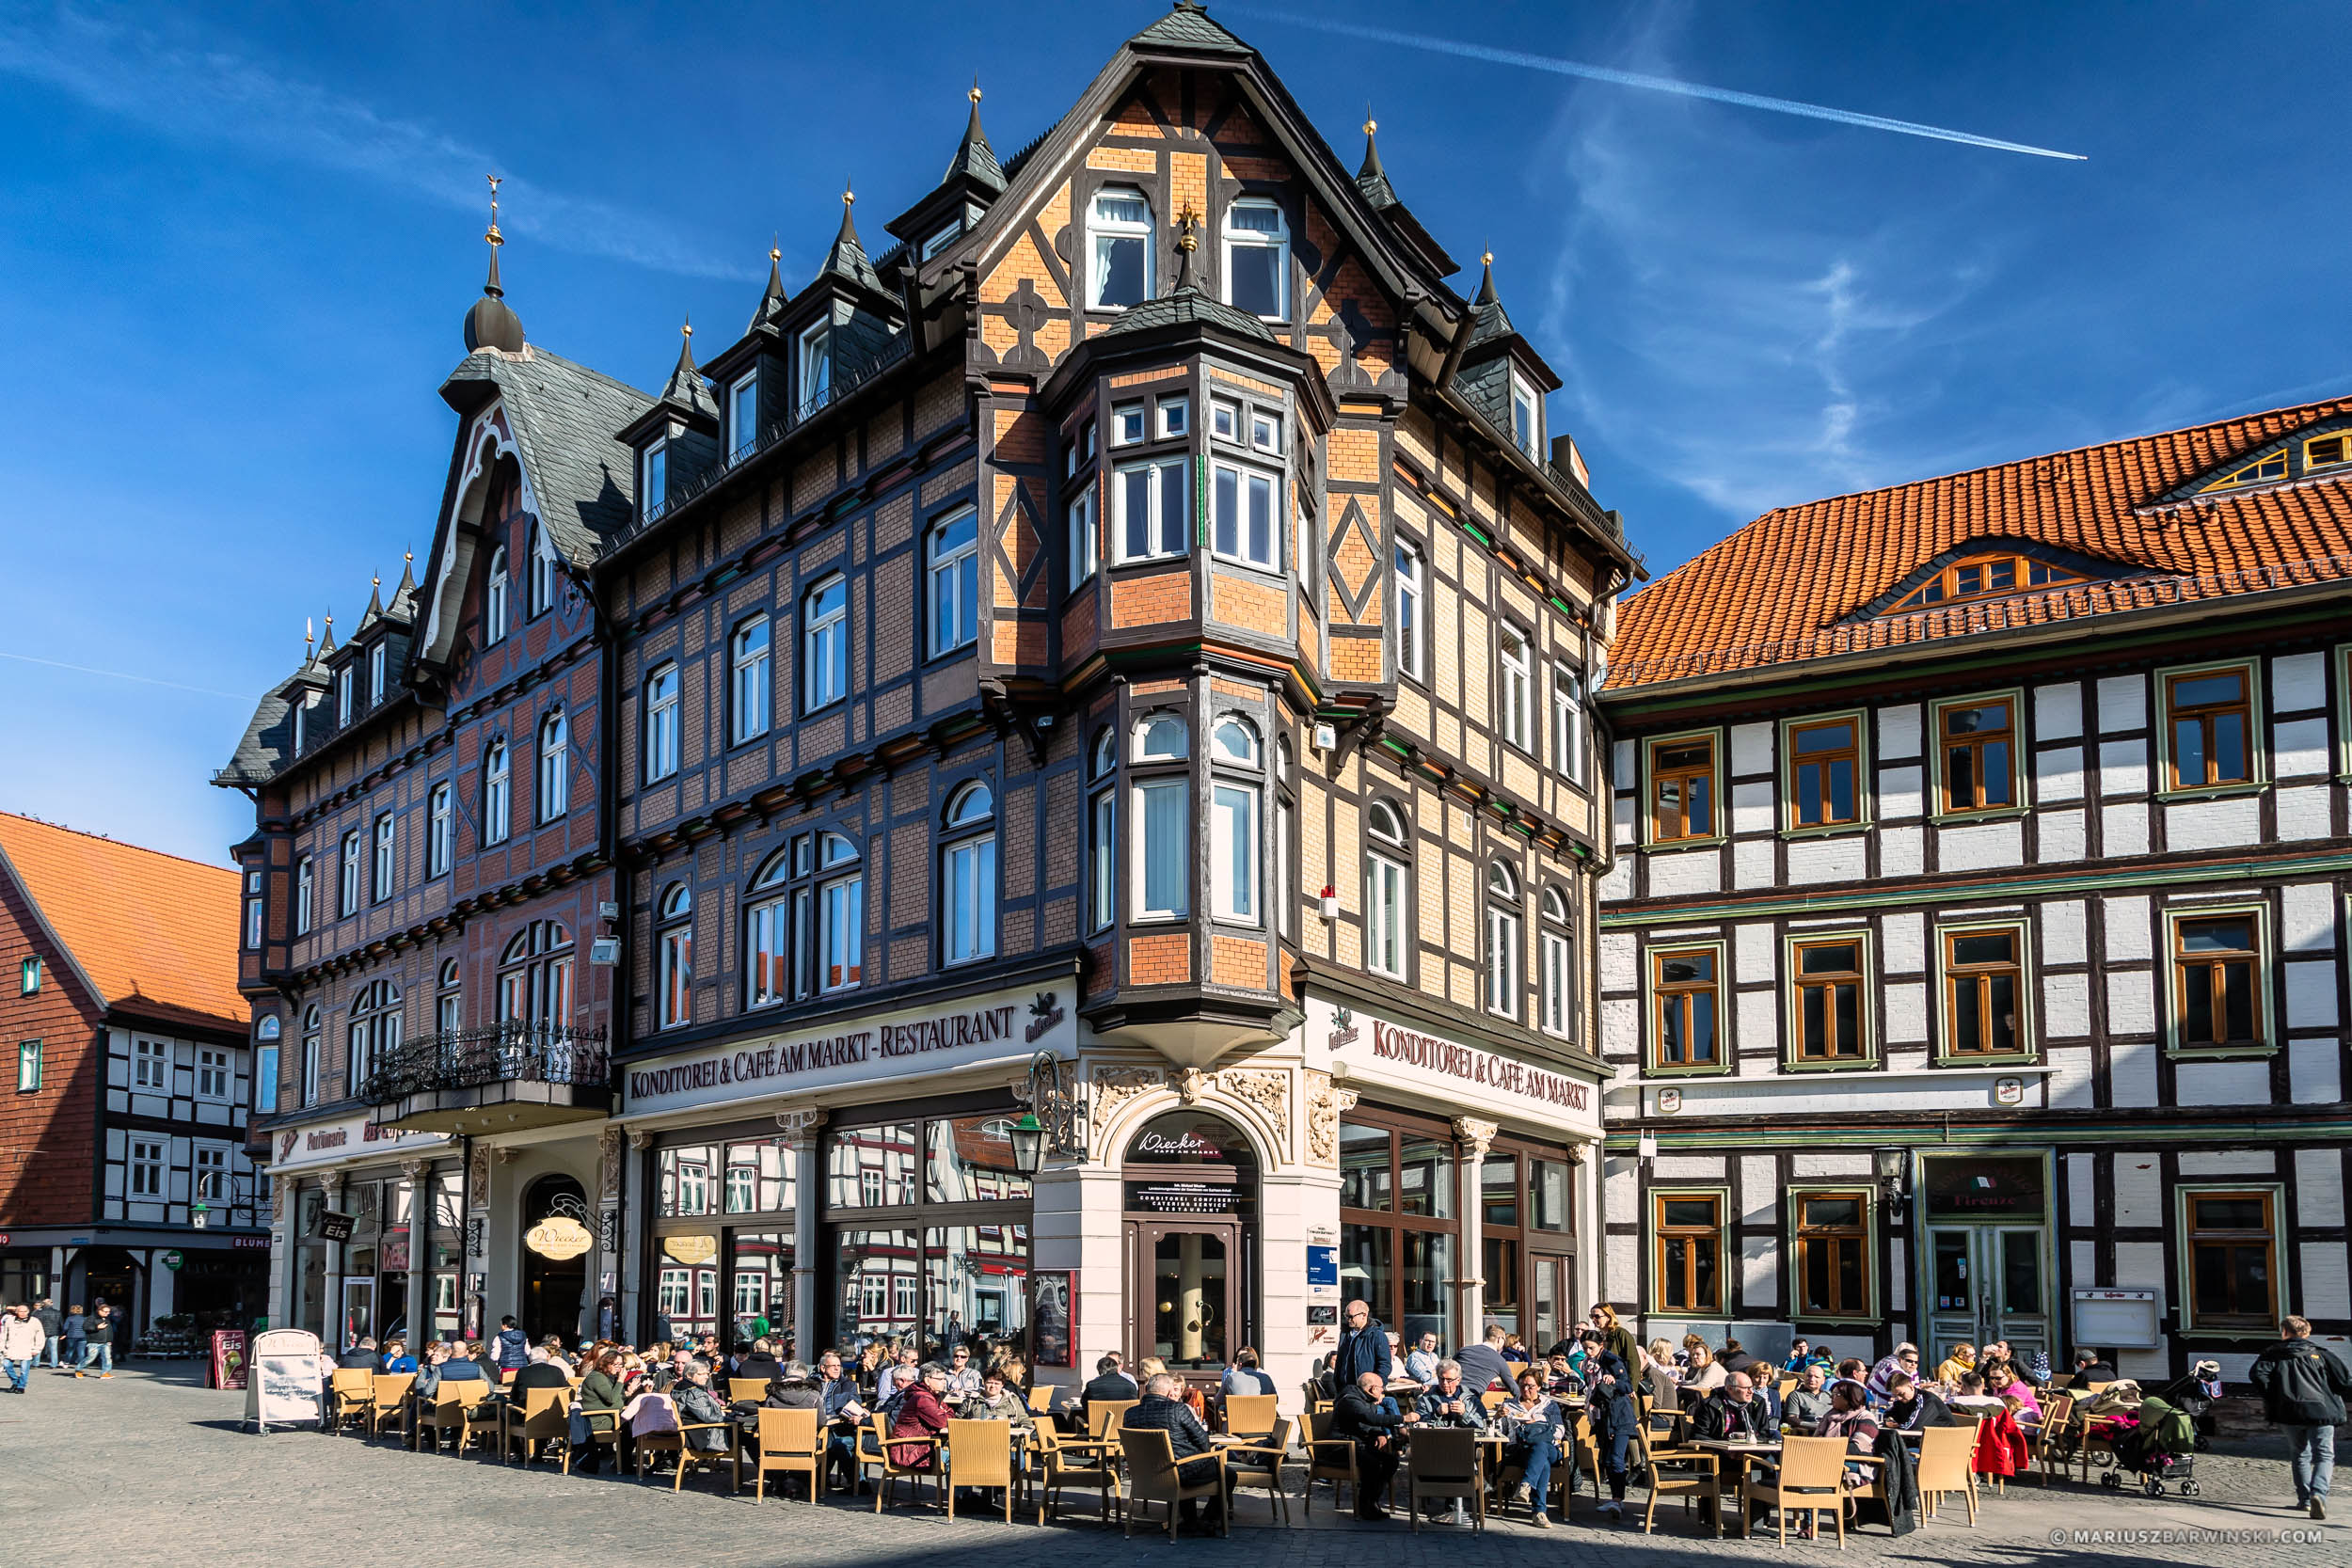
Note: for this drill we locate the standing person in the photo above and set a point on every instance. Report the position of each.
(513, 1347)
(21, 1344)
(1608, 1405)
(98, 1341)
(76, 1337)
(2303, 1385)
(1483, 1365)
(1616, 1338)
(51, 1324)
(1363, 1347)
(608, 1319)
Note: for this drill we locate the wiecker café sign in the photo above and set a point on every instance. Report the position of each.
(940, 1038)
(1375, 1052)
(324, 1142)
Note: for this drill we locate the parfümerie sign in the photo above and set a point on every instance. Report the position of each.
(1002, 1025)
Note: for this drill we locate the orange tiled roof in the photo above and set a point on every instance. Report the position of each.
(146, 928)
(1777, 591)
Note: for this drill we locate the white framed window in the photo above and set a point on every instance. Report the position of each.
(1514, 701)
(942, 239)
(1257, 256)
(373, 1032)
(497, 794)
(151, 1065)
(310, 1055)
(953, 571)
(1557, 978)
(1235, 740)
(743, 418)
(494, 598)
(748, 685)
(555, 774)
(28, 976)
(662, 697)
(385, 858)
(542, 571)
(1527, 417)
(347, 890)
(674, 989)
(306, 890)
(841, 918)
(211, 1173)
(1245, 506)
(1385, 944)
(767, 934)
(825, 644)
(1153, 518)
(1102, 834)
(1163, 856)
(439, 830)
(449, 1002)
(301, 721)
(1224, 420)
(816, 367)
(28, 1066)
(1127, 426)
(1119, 224)
(1502, 939)
(1266, 431)
(1086, 539)
(1080, 451)
(343, 696)
(376, 657)
(653, 492)
(147, 1167)
(252, 924)
(1175, 417)
(1409, 610)
(211, 1072)
(1567, 723)
(1161, 737)
(968, 875)
(1233, 851)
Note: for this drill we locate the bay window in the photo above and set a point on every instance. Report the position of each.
(1163, 821)
(1233, 824)
(1102, 834)
(1153, 521)
(1243, 508)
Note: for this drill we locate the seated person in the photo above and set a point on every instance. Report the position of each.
(794, 1388)
(1807, 1403)
(361, 1357)
(760, 1364)
(920, 1413)
(1971, 1398)
(1109, 1384)
(1365, 1414)
(1734, 1359)
(1161, 1410)
(1446, 1403)
(1730, 1412)
(998, 1400)
(1537, 1427)
(542, 1373)
(697, 1405)
(1245, 1377)
(1703, 1374)
(2090, 1367)
(1956, 1366)
(600, 1402)
(964, 1378)
(1421, 1362)
(396, 1356)
(1912, 1405)
(1801, 1354)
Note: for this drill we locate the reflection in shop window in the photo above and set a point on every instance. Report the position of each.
(971, 1161)
(685, 1179)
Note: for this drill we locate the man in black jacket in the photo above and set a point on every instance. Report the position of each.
(1366, 1416)
(1109, 1384)
(2090, 1367)
(361, 1357)
(1730, 1412)
(1363, 1347)
(1160, 1410)
(2302, 1386)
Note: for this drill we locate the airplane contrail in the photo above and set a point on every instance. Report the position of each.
(1655, 84)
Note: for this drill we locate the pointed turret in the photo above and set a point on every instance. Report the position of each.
(404, 605)
(771, 303)
(847, 259)
(327, 638)
(975, 160)
(1493, 321)
(492, 323)
(687, 389)
(374, 612)
(1372, 179)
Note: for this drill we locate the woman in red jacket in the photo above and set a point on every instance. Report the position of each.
(920, 1415)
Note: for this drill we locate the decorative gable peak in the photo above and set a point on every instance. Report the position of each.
(492, 323)
(847, 260)
(1187, 27)
(1983, 568)
(686, 390)
(975, 160)
(1372, 179)
(1493, 321)
(771, 312)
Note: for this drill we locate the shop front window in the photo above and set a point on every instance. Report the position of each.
(1398, 1227)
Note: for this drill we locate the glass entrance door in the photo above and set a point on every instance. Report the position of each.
(1987, 1282)
(1189, 1295)
(359, 1314)
(1553, 1317)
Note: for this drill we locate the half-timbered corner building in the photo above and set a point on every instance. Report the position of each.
(1138, 616)
(1976, 965)
(436, 935)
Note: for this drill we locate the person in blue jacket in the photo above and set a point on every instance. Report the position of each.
(1363, 1347)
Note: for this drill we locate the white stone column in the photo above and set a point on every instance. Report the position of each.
(1477, 1137)
(331, 1307)
(809, 1194)
(419, 1174)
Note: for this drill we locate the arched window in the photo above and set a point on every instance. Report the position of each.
(748, 696)
(1236, 741)
(1556, 973)
(373, 1032)
(542, 571)
(662, 688)
(497, 794)
(305, 892)
(310, 1055)
(1388, 857)
(1502, 939)
(1163, 820)
(825, 644)
(1102, 832)
(952, 555)
(494, 598)
(769, 977)
(1161, 737)
(674, 948)
(536, 977)
(1120, 225)
(1257, 256)
(840, 914)
(347, 878)
(968, 875)
(1233, 822)
(449, 1009)
(555, 775)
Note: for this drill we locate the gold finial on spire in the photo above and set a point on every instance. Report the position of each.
(377, 580)
(1369, 124)
(407, 558)
(1487, 260)
(493, 235)
(688, 327)
(849, 196)
(975, 93)
(309, 633)
(775, 250)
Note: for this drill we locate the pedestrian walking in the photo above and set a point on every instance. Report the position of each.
(76, 1335)
(21, 1343)
(51, 1324)
(2303, 1385)
(99, 1342)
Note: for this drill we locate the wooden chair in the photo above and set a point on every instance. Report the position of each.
(451, 1410)
(1152, 1477)
(351, 1398)
(1261, 1464)
(1057, 1457)
(746, 1390)
(927, 1467)
(1105, 1416)
(604, 1428)
(1250, 1415)
(1811, 1479)
(1944, 1467)
(1328, 1458)
(1443, 1462)
(789, 1440)
(388, 1399)
(1042, 1400)
(2051, 1445)
(979, 1453)
(1493, 1399)
(688, 1456)
(1689, 1474)
(545, 1416)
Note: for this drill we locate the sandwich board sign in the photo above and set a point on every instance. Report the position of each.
(285, 1380)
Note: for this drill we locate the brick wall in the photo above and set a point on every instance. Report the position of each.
(47, 1139)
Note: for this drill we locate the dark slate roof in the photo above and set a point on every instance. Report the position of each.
(267, 743)
(1372, 179)
(687, 389)
(404, 605)
(1493, 321)
(771, 303)
(1187, 306)
(847, 259)
(975, 160)
(564, 417)
(1187, 27)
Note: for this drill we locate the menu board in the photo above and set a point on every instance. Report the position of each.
(1195, 1198)
(285, 1380)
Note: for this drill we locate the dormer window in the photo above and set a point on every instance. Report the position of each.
(743, 418)
(1257, 256)
(816, 367)
(942, 239)
(343, 696)
(1527, 417)
(301, 717)
(494, 600)
(376, 674)
(653, 490)
(2326, 452)
(2260, 471)
(1119, 224)
(1987, 576)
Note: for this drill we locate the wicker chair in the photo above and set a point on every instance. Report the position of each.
(349, 1397)
(1944, 1465)
(1328, 1458)
(1250, 1415)
(1152, 1477)
(1261, 1464)
(791, 1441)
(746, 1390)
(451, 1410)
(545, 1417)
(1689, 1474)
(979, 1454)
(1057, 1457)
(1810, 1480)
(892, 1472)
(1042, 1399)
(1444, 1463)
(1105, 1416)
(388, 1401)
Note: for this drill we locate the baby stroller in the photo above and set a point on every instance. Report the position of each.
(2195, 1393)
(2160, 1449)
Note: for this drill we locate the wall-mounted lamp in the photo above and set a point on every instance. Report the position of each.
(1054, 1122)
(1894, 1172)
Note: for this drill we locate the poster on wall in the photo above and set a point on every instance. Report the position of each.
(1054, 1304)
(285, 1380)
(229, 1358)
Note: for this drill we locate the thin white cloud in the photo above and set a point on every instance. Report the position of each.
(194, 93)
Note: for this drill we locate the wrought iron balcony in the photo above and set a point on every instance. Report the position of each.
(553, 1071)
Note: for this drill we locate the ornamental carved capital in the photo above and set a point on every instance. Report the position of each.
(639, 1139)
(1114, 1087)
(1346, 1100)
(414, 1169)
(800, 1126)
(1189, 1083)
(1479, 1136)
(1268, 1090)
(1323, 1120)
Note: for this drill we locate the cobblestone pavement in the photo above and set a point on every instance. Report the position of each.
(150, 1467)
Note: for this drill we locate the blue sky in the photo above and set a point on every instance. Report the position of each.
(236, 243)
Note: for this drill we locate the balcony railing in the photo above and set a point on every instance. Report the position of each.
(507, 1052)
